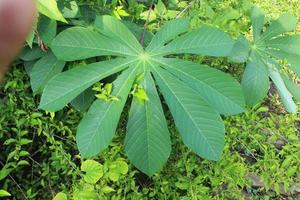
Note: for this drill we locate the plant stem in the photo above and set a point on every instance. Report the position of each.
(142, 40)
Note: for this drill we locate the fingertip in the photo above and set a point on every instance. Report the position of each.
(16, 20)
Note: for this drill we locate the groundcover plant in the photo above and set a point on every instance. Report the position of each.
(196, 95)
(263, 57)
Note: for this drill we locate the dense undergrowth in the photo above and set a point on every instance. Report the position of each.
(261, 158)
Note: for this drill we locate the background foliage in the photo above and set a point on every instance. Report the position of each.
(260, 160)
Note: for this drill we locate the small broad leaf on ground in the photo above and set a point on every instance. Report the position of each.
(93, 171)
(60, 196)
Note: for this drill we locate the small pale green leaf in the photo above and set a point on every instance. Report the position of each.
(93, 171)
(4, 193)
(60, 196)
(97, 128)
(107, 189)
(30, 38)
(50, 9)
(66, 86)
(200, 126)
(147, 141)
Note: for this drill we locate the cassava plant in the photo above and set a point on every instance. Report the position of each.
(264, 56)
(196, 94)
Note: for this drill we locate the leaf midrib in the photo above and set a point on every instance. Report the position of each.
(108, 108)
(191, 118)
(92, 80)
(191, 77)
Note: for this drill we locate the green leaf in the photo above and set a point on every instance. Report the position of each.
(46, 29)
(289, 44)
(30, 38)
(240, 51)
(168, 32)
(50, 9)
(292, 87)
(218, 89)
(84, 100)
(113, 28)
(66, 86)
(107, 189)
(28, 65)
(80, 43)
(4, 193)
(200, 125)
(255, 82)
(258, 21)
(93, 171)
(147, 141)
(207, 41)
(292, 59)
(43, 70)
(137, 31)
(285, 23)
(284, 94)
(29, 54)
(60, 196)
(97, 128)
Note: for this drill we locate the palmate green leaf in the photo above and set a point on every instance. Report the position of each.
(258, 21)
(64, 87)
(200, 125)
(50, 9)
(288, 44)
(147, 141)
(218, 89)
(284, 93)
(79, 43)
(255, 82)
(43, 70)
(114, 29)
(207, 41)
(186, 89)
(285, 23)
(97, 128)
(168, 32)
